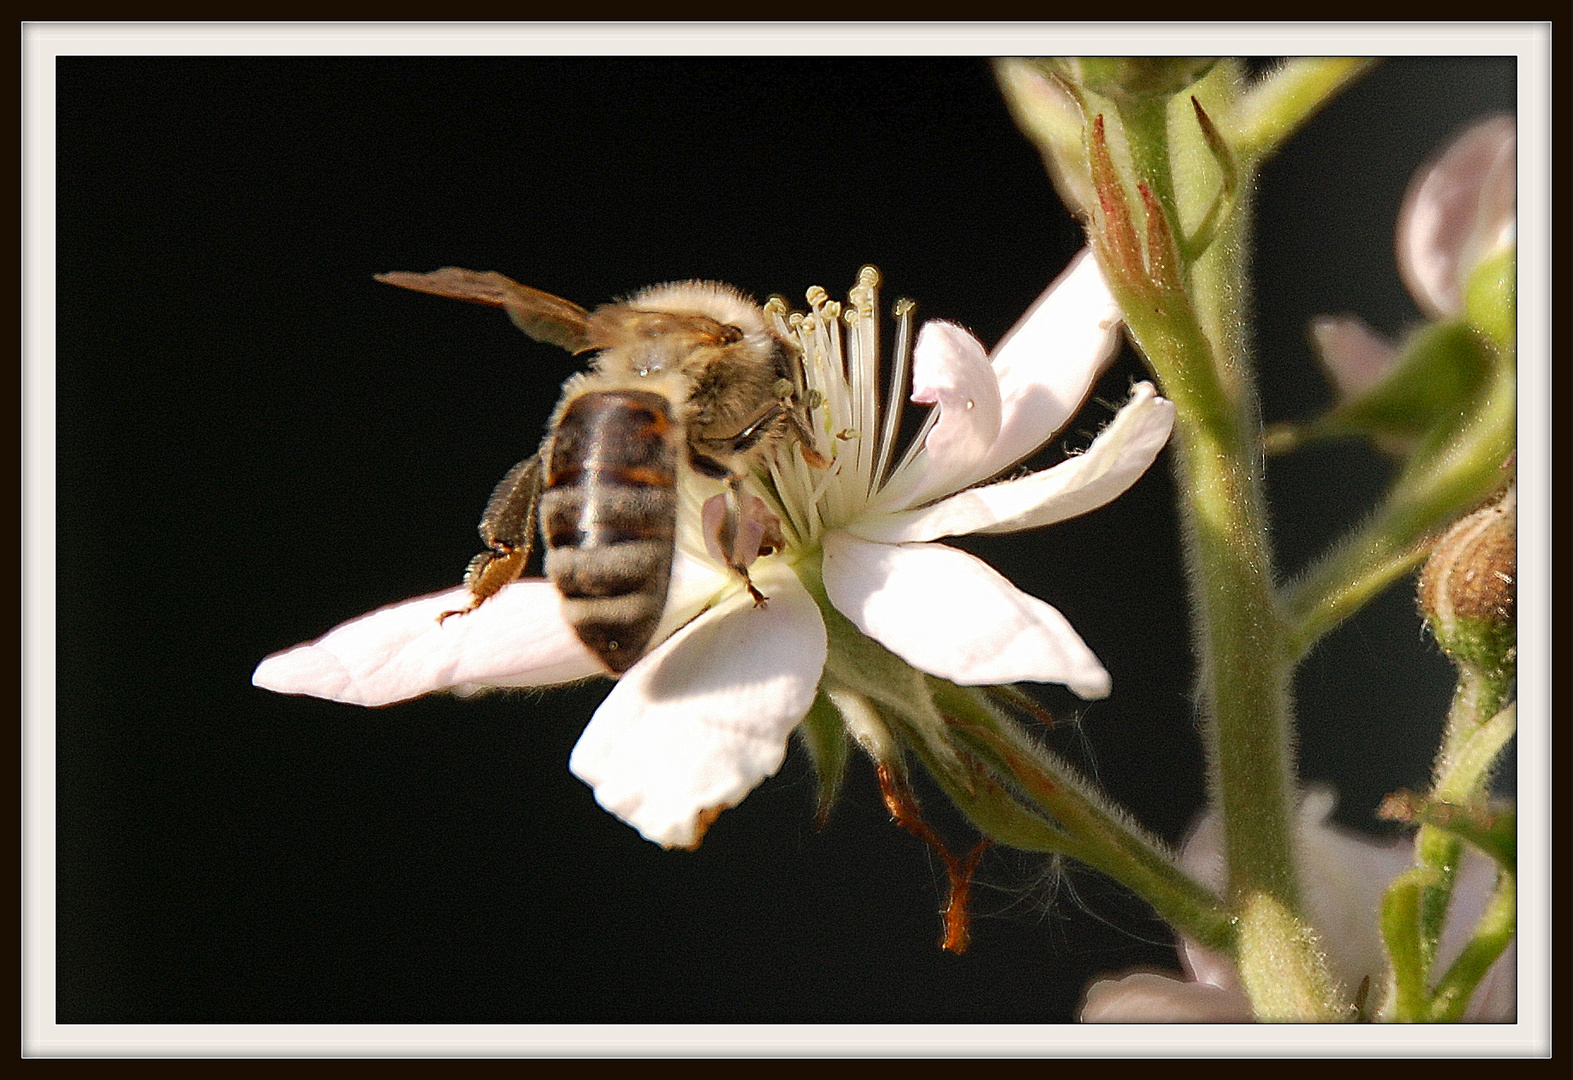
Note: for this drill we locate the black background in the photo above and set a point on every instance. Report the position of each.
(258, 441)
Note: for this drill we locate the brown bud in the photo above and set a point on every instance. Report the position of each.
(1468, 589)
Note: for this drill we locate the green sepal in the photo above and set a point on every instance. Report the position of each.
(1490, 645)
(1408, 956)
(973, 784)
(1440, 372)
(829, 747)
(901, 696)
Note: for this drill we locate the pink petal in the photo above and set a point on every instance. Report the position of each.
(753, 524)
(949, 370)
(1047, 364)
(946, 612)
(1456, 211)
(1120, 454)
(699, 722)
(1355, 356)
(517, 638)
(1343, 877)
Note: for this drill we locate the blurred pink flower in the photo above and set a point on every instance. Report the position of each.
(1459, 209)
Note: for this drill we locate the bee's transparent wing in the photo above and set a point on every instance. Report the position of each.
(545, 317)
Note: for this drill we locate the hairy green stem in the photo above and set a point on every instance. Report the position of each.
(1416, 908)
(1437, 485)
(1476, 734)
(1184, 299)
(1195, 342)
(1012, 790)
(1406, 998)
(1492, 935)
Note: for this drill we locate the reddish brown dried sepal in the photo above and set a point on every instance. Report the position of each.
(1117, 237)
(904, 809)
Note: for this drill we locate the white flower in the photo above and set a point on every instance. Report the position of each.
(705, 716)
(1343, 878)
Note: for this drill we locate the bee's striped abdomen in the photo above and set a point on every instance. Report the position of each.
(609, 518)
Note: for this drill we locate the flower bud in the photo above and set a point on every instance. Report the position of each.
(1468, 588)
(1457, 212)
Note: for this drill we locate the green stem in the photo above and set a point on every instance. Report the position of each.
(1476, 734)
(1194, 341)
(1491, 937)
(1406, 1001)
(1415, 910)
(1437, 485)
(1150, 154)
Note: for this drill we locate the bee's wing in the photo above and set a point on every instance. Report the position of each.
(545, 317)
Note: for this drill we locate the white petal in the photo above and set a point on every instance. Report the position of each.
(517, 638)
(1047, 364)
(951, 371)
(1455, 211)
(1146, 997)
(1120, 454)
(696, 584)
(695, 725)
(946, 612)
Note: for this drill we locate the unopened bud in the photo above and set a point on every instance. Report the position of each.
(1458, 211)
(1468, 589)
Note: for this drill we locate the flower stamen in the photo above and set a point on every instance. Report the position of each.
(895, 393)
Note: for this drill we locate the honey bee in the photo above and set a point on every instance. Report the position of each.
(684, 376)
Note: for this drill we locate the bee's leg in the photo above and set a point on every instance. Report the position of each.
(738, 529)
(508, 530)
(770, 418)
(755, 430)
(796, 402)
(805, 442)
